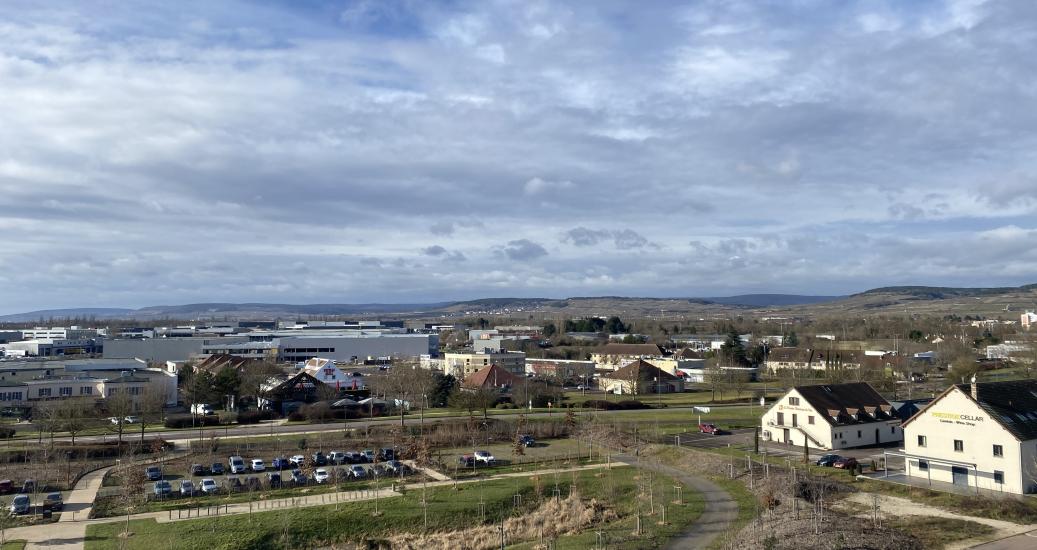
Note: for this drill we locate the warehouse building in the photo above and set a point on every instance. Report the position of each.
(832, 416)
(981, 435)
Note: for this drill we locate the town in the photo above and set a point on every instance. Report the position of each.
(595, 431)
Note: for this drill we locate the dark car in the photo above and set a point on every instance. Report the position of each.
(252, 483)
(280, 463)
(274, 480)
(845, 463)
(387, 454)
(6, 486)
(216, 469)
(299, 478)
(527, 441)
(234, 484)
(153, 473)
(467, 461)
(828, 460)
(28, 486)
(197, 470)
(53, 501)
(319, 459)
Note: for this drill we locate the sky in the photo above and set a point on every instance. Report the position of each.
(400, 151)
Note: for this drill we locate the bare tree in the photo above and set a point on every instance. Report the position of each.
(151, 404)
(398, 383)
(119, 404)
(73, 415)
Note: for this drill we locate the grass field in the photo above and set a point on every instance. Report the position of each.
(449, 509)
(13, 545)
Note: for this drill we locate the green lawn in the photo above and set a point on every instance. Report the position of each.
(449, 509)
(13, 545)
(697, 396)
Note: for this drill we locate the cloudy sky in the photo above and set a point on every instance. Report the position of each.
(337, 151)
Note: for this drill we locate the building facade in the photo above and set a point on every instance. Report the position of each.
(461, 365)
(977, 435)
(832, 416)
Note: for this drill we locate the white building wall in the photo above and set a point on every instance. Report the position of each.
(822, 434)
(957, 416)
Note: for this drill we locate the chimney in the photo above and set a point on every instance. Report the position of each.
(973, 387)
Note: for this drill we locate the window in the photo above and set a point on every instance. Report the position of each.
(921, 441)
(810, 420)
(858, 434)
(795, 421)
(923, 465)
(959, 445)
(65, 391)
(999, 450)
(781, 419)
(892, 429)
(86, 390)
(999, 477)
(44, 392)
(793, 401)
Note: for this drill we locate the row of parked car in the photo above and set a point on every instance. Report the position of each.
(21, 504)
(274, 480)
(477, 458)
(7, 486)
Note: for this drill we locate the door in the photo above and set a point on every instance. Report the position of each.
(960, 475)
(786, 433)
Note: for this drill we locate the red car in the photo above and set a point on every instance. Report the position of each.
(6, 486)
(711, 429)
(845, 463)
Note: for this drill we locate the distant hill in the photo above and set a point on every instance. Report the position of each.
(771, 300)
(995, 301)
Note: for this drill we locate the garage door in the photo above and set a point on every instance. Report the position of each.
(960, 475)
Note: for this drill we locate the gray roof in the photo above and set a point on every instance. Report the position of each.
(1012, 404)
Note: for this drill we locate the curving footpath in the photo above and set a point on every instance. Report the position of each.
(718, 514)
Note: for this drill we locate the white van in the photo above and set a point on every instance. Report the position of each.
(237, 465)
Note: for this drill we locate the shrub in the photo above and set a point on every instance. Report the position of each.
(6, 433)
(254, 417)
(296, 416)
(188, 420)
(631, 405)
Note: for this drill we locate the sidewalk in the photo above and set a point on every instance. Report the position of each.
(81, 500)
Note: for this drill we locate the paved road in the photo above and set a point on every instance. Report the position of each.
(270, 429)
(1025, 541)
(719, 513)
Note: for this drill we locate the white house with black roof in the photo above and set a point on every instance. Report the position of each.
(832, 416)
(977, 435)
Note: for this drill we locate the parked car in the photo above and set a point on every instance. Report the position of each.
(350, 457)
(216, 469)
(186, 487)
(273, 479)
(197, 470)
(162, 488)
(115, 420)
(280, 463)
(485, 457)
(6, 486)
(710, 429)
(234, 484)
(357, 471)
(131, 420)
(320, 475)
(299, 478)
(828, 460)
(466, 461)
(319, 459)
(368, 455)
(337, 457)
(53, 502)
(28, 486)
(20, 504)
(209, 486)
(527, 440)
(257, 465)
(845, 463)
(297, 460)
(237, 465)
(387, 454)
(252, 483)
(154, 473)
(395, 467)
